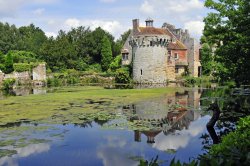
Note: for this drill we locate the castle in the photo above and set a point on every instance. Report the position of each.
(159, 55)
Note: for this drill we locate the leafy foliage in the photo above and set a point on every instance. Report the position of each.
(234, 149)
(8, 63)
(116, 64)
(8, 83)
(21, 67)
(227, 29)
(80, 48)
(106, 53)
(122, 76)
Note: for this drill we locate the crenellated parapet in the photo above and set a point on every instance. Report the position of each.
(147, 41)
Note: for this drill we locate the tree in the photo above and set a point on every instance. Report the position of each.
(206, 59)
(116, 64)
(8, 63)
(106, 53)
(31, 38)
(227, 28)
(117, 46)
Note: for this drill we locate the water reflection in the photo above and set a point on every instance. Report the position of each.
(174, 125)
(112, 152)
(25, 152)
(166, 114)
(23, 91)
(181, 138)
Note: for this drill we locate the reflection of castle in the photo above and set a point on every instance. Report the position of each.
(166, 114)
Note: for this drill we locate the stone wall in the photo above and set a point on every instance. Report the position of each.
(39, 73)
(149, 62)
(1, 77)
(192, 45)
(37, 76)
(170, 72)
(20, 77)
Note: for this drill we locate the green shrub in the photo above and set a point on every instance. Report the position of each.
(190, 80)
(2, 67)
(116, 64)
(21, 67)
(234, 148)
(95, 68)
(8, 83)
(54, 82)
(122, 76)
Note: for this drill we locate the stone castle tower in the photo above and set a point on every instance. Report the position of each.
(156, 54)
(149, 53)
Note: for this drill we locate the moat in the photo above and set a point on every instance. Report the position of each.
(169, 125)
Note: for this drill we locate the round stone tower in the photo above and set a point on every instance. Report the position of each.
(149, 54)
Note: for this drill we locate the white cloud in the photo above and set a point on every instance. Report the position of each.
(181, 13)
(108, 1)
(113, 27)
(147, 8)
(181, 138)
(51, 22)
(38, 11)
(9, 8)
(170, 6)
(72, 22)
(195, 27)
(24, 152)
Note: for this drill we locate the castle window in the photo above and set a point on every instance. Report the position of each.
(141, 71)
(199, 55)
(176, 70)
(125, 56)
(169, 53)
(176, 56)
(151, 43)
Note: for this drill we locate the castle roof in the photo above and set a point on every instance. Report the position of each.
(153, 31)
(178, 45)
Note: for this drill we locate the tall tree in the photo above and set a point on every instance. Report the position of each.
(8, 63)
(31, 38)
(106, 53)
(227, 28)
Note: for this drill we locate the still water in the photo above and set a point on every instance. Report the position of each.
(175, 134)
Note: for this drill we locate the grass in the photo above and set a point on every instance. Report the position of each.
(71, 104)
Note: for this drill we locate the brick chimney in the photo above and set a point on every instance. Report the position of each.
(135, 25)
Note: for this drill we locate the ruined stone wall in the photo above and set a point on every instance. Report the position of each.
(20, 77)
(39, 73)
(1, 77)
(149, 62)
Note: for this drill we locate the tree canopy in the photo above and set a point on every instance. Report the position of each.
(80, 48)
(227, 30)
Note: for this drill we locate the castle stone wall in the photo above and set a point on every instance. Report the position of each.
(149, 64)
(170, 73)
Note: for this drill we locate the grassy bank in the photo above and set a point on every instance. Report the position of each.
(72, 104)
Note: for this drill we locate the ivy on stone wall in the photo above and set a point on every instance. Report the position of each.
(21, 67)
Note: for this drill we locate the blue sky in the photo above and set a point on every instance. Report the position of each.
(112, 15)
